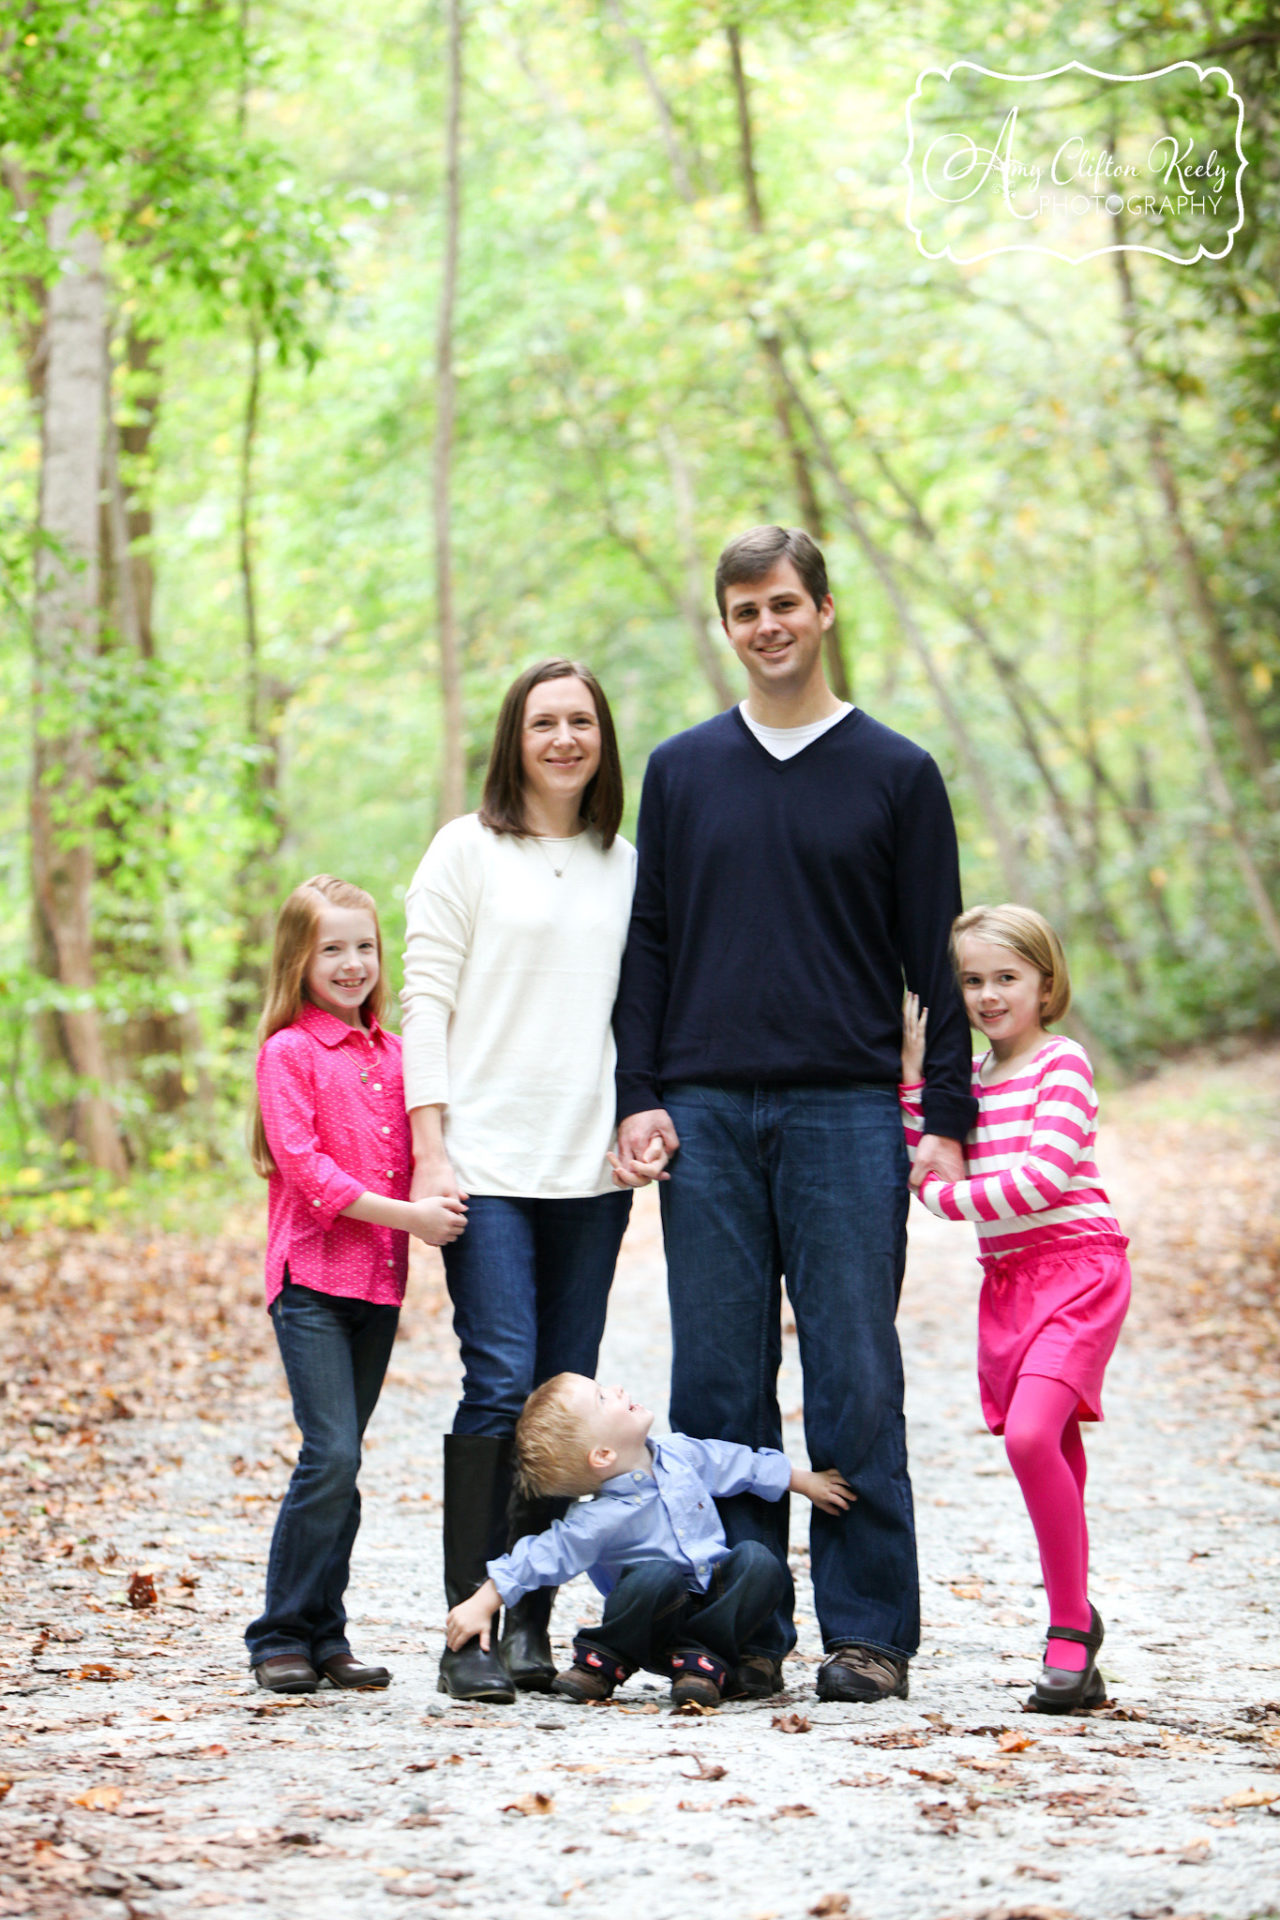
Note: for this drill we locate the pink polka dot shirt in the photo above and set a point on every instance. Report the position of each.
(333, 1108)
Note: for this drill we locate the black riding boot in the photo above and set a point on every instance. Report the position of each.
(526, 1644)
(477, 1484)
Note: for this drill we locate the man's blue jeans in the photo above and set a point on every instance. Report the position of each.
(335, 1353)
(810, 1182)
(529, 1281)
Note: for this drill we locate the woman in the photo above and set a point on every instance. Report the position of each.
(516, 921)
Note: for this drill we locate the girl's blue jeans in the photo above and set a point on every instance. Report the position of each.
(529, 1281)
(335, 1353)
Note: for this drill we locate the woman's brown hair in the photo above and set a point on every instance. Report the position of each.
(502, 806)
(295, 943)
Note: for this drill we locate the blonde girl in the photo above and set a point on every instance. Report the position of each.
(1055, 1282)
(331, 1139)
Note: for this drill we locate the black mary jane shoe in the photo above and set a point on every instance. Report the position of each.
(1060, 1689)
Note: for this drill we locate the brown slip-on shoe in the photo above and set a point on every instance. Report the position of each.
(344, 1670)
(286, 1673)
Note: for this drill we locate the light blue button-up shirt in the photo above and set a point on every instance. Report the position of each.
(669, 1514)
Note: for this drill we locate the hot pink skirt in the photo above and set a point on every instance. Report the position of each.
(1055, 1311)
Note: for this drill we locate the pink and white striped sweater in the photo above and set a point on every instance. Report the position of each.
(1032, 1176)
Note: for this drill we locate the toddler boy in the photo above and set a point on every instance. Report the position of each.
(678, 1600)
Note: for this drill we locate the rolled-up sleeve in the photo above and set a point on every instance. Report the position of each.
(439, 917)
(286, 1092)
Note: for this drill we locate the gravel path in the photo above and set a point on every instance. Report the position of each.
(163, 1784)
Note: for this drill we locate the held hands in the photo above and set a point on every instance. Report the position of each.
(437, 1200)
(472, 1617)
(828, 1490)
(438, 1219)
(915, 1019)
(646, 1142)
(937, 1154)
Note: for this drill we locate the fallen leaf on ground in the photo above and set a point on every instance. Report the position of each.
(830, 1905)
(940, 1776)
(797, 1812)
(531, 1803)
(1011, 1741)
(791, 1723)
(103, 1799)
(704, 1771)
(1252, 1797)
(142, 1591)
(896, 1737)
(1195, 1854)
(96, 1670)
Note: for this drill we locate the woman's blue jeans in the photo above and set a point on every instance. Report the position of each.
(810, 1182)
(529, 1281)
(335, 1353)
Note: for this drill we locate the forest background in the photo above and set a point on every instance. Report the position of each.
(354, 359)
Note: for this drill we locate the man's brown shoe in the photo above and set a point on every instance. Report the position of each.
(862, 1673)
(286, 1673)
(583, 1684)
(344, 1670)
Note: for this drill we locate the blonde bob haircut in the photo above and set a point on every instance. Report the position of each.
(295, 943)
(551, 1447)
(1029, 935)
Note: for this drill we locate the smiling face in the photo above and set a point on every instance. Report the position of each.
(614, 1427)
(776, 628)
(560, 740)
(344, 961)
(1004, 995)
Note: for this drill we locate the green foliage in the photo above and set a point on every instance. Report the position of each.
(991, 424)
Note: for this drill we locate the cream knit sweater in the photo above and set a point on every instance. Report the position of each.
(509, 982)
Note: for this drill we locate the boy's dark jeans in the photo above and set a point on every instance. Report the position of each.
(651, 1613)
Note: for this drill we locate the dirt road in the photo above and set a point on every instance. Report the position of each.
(150, 1778)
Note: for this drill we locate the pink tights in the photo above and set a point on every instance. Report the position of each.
(1042, 1439)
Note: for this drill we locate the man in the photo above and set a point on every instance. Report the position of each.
(797, 864)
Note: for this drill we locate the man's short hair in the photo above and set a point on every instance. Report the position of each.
(757, 552)
(551, 1448)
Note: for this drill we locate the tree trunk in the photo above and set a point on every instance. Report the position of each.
(452, 797)
(1254, 751)
(257, 883)
(801, 471)
(64, 775)
(692, 591)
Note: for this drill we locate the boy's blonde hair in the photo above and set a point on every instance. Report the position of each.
(1029, 935)
(294, 945)
(551, 1448)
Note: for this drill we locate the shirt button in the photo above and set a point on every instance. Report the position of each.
(386, 1129)
(315, 1203)
(377, 1086)
(391, 1263)
(391, 1173)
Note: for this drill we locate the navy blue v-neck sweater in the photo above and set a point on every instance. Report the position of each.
(779, 907)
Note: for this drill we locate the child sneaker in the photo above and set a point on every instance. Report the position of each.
(590, 1678)
(697, 1679)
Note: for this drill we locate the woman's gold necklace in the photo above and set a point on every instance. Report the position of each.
(558, 871)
